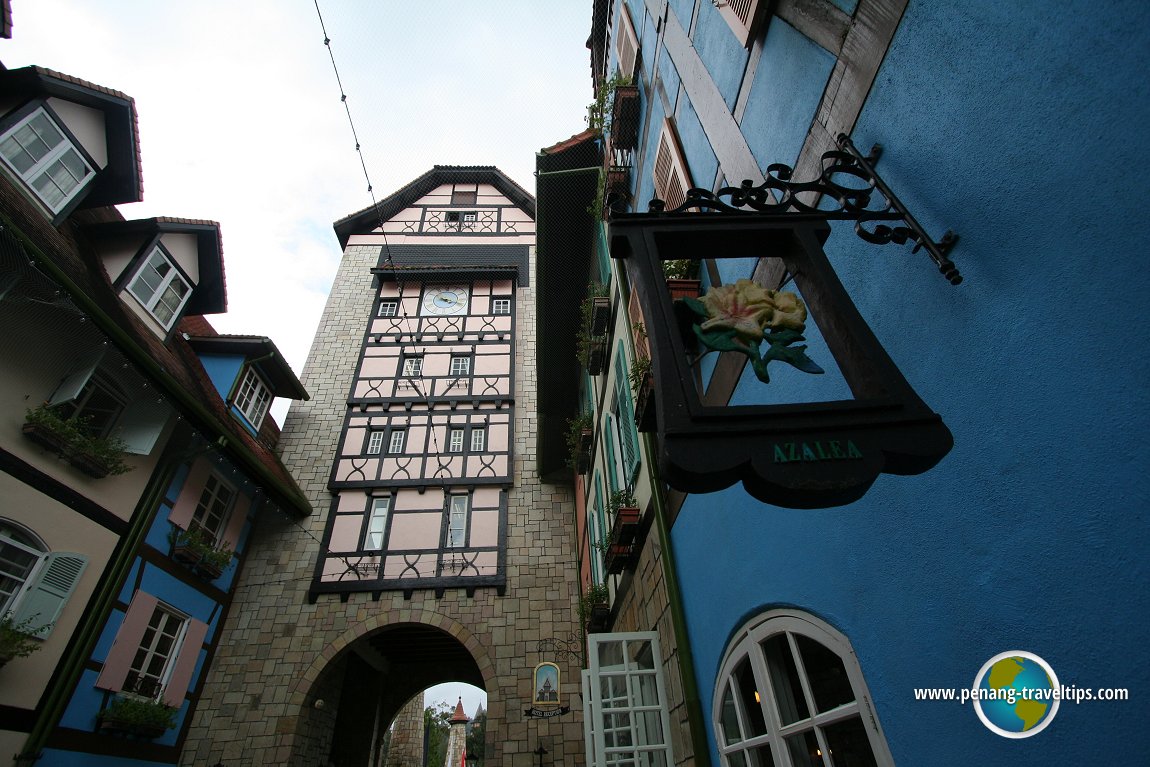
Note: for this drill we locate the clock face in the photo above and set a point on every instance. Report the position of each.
(448, 300)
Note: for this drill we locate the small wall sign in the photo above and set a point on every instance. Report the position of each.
(546, 696)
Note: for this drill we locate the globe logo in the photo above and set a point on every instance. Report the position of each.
(1016, 694)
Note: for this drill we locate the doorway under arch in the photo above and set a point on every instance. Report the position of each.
(360, 688)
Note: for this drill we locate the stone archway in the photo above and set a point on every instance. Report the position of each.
(356, 686)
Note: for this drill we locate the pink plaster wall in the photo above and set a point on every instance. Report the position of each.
(415, 531)
(484, 528)
(345, 533)
(492, 364)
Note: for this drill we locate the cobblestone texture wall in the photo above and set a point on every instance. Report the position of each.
(258, 701)
(406, 748)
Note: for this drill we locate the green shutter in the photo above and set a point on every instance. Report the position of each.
(48, 591)
(626, 418)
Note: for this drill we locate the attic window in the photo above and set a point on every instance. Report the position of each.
(161, 288)
(44, 158)
(253, 398)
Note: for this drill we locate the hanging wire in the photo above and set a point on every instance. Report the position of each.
(389, 262)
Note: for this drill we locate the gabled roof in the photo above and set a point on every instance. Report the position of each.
(261, 353)
(210, 295)
(368, 219)
(64, 255)
(122, 181)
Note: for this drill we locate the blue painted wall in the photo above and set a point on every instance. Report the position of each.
(1019, 127)
(87, 700)
(222, 369)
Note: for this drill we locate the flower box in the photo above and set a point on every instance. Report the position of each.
(597, 357)
(135, 729)
(625, 526)
(600, 315)
(198, 552)
(680, 288)
(95, 456)
(645, 405)
(619, 558)
(597, 618)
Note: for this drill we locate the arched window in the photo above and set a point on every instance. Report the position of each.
(34, 583)
(791, 694)
(20, 553)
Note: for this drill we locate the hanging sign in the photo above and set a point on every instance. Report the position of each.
(546, 694)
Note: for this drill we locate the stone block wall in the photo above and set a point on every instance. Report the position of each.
(277, 649)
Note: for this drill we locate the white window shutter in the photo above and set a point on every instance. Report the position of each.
(671, 177)
(744, 17)
(626, 44)
(141, 424)
(48, 590)
(74, 382)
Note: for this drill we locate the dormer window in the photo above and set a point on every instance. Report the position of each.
(161, 288)
(38, 150)
(253, 398)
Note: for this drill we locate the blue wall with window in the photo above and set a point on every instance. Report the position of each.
(1018, 127)
(193, 601)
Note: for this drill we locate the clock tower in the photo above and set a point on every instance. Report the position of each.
(436, 553)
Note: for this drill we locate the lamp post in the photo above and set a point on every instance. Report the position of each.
(540, 753)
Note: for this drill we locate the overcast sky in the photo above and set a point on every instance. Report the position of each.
(241, 121)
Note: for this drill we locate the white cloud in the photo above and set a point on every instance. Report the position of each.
(241, 120)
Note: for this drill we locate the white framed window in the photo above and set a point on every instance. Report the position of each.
(455, 441)
(388, 309)
(375, 442)
(214, 507)
(38, 151)
(253, 398)
(790, 692)
(501, 306)
(377, 524)
(154, 661)
(396, 443)
(478, 439)
(626, 720)
(160, 287)
(457, 522)
(412, 366)
(20, 554)
(460, 366)
(96, 407)
(35, 583)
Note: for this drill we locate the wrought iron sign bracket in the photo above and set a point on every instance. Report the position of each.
(797, 454)
(870, 204)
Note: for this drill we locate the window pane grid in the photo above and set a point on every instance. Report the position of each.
(455, 441)
(215, 500)
(375, 442)
(151, 663)
(796, 663)
(377, 524)
(47, 161)
(413, 366)
(253, 398)
(478, 440)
